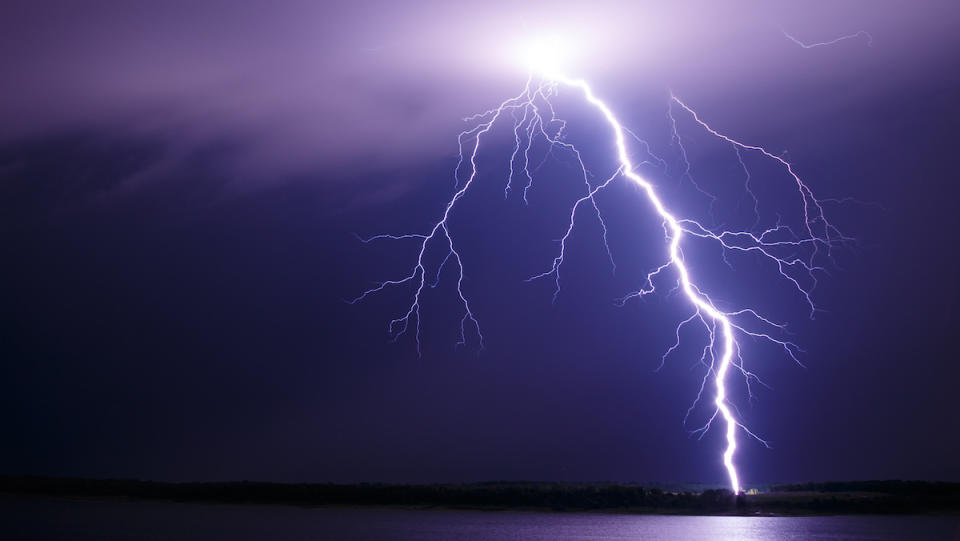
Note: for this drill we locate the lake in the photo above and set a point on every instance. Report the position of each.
(115, 521)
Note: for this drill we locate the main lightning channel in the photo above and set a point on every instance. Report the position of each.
(676, 259)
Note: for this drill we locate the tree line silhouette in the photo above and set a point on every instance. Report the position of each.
(807, 498)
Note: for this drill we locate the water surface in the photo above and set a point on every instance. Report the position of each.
(87, 521)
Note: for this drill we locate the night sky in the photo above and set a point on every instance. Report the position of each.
(181, 187)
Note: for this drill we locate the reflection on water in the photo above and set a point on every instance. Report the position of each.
(83, 521)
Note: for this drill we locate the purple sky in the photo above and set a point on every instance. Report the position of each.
(180, 183)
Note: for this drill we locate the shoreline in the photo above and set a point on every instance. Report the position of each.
(345, 497)
(11, 496)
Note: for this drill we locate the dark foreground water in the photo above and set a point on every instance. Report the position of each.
(83, 521)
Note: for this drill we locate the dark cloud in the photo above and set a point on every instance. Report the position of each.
(305, 84)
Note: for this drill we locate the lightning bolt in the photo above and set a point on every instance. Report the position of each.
(860, 34)
(793, 252)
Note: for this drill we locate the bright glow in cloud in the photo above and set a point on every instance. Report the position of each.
(547, 56)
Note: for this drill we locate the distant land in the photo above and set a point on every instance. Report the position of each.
(855, 497)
